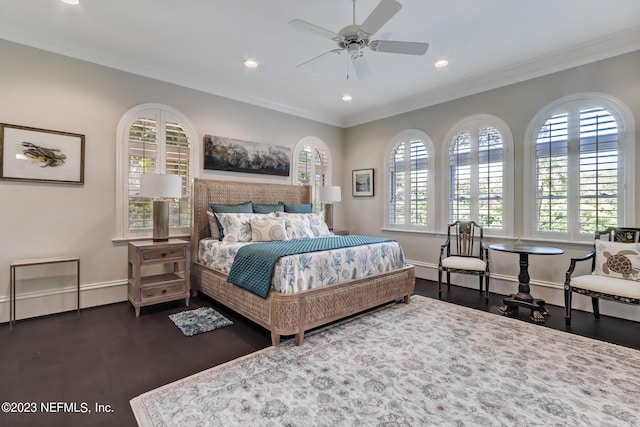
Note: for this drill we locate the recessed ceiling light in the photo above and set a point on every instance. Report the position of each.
(442, 63)
(249, 63)
(71, 1)
(347, 98)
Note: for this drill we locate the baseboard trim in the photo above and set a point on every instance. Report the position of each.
(41, 303)
(552, 293)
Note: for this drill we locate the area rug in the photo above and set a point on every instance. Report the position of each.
(422, 364)
(203, 319)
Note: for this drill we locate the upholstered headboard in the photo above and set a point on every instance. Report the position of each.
(206, 192)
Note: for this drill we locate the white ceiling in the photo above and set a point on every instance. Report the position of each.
(202, 44)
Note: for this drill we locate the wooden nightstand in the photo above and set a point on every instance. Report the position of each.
(158, 272)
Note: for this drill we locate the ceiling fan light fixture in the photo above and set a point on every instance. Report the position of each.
(442, 63)
(347, 97)
(250, 63)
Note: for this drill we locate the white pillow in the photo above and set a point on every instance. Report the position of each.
(267, 230)
(620, 260)
(297, 225)
(316, 222)
(237, 226)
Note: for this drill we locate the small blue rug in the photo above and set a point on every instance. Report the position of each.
(203, 319)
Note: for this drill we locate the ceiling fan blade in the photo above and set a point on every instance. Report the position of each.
(318, 58)
(361, 66)
(312, 28)
(380, 15)
(391, 46)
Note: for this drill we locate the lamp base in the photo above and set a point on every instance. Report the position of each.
(328, 215)
(160, 221)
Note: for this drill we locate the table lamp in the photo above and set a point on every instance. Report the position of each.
(329, 195)
(160, 187)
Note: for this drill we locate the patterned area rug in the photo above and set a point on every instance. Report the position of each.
(426, 363)
(203, 319)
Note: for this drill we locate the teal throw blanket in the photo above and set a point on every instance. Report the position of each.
(253, 265)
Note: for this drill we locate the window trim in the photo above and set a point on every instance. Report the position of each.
(477, 121)
(626, 127)
(315, 143)
(122, 161)
(404, 137)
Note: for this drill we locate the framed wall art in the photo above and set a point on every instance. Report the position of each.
(362, 183)
(234, 155)
(40, 155)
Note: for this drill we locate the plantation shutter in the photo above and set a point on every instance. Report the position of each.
(158, 146)
(490, 178)
(419, 183)
(397, 185)
(577, 172)
(408, 184)
(599, 184)
(143, 154)
(312, 168)
(476, 177)
(552, 174)
(177, 157)
(460, 177)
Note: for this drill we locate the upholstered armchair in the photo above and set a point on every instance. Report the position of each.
(615, 270)
(464, 252)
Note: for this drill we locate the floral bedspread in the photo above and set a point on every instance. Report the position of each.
(302, 272)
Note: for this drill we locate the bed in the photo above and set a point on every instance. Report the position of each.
(281, 313)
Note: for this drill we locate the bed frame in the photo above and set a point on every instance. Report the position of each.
(285, 314)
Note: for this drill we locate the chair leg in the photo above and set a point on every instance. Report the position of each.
(595, 302)
(486, 291)
(481, 284)
(439, 284)
(567, 305)
(448, 281)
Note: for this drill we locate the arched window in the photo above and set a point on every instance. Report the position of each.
(580, 155)
(153, 138)
(312, 167)
(409, 181)
(480, 173)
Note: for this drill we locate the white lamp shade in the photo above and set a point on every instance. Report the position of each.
(330, 194)
(158, 185)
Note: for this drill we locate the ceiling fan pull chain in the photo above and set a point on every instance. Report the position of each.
(347, 56)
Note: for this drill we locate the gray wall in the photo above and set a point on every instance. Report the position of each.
(516, 105)
(49, 91)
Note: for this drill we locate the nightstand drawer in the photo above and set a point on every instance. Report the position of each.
(161, 291)
(163, 254)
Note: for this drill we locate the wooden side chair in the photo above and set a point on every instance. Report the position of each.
(615, 270)
(464, 252)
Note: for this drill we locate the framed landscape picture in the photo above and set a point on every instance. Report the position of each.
(235, 155)
(362, 182)
(40, 155)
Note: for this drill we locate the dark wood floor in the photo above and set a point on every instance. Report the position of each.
(108, 356)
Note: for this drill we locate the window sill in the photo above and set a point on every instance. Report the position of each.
(410, 230)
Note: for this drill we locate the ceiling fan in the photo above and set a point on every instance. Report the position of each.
(355, 38)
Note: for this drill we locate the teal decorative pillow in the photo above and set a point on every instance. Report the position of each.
(245, 207)
(298, 208)
(264, 208)
(620, 260)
